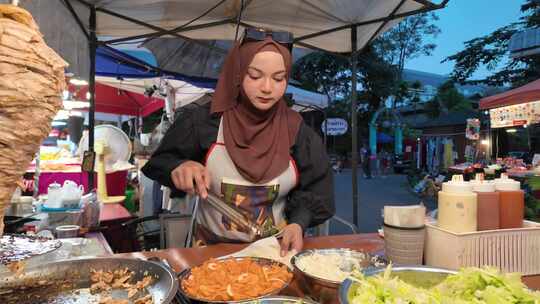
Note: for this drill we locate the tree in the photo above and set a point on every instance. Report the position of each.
(408, 40)
(492, 50)
(323, 72)
(448, 99)
(331, 75)
(380, 64)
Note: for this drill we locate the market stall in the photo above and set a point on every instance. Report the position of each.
(514, 115)
(267, 267)
(346, 30)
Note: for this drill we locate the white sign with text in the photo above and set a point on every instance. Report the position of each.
(336, 126)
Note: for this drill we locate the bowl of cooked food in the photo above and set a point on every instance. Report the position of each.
(321, 271)
(234, 279)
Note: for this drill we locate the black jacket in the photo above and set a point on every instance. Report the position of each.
(195, 130)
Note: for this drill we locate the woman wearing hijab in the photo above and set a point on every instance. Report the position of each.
(249, 148)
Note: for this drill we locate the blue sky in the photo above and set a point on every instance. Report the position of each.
(461, 21)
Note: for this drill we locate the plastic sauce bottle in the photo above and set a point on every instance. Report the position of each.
(457, 206)
(488, 203)
(512, 202)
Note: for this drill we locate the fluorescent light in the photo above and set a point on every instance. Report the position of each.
(511, 130)
(75, 104)
(485, 142)
(78, 82)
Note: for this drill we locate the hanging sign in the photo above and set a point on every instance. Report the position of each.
(515, 115)
(473, 129)
(334, 126)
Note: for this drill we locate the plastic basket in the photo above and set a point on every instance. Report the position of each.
(511, 250)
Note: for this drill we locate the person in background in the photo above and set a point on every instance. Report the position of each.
(366, 162)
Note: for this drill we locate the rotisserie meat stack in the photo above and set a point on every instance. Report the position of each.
(31, 85)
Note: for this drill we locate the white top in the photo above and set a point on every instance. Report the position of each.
(457, 185)
(483, 186)
(507, 184)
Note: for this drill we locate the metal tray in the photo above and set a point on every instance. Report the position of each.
(18, 247)
(43, 284)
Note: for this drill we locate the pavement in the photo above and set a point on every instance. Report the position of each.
(373, 195)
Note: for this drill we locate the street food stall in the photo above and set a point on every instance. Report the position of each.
(221, 273)
(514, 116)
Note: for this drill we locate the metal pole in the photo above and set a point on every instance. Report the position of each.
(325, 129)
(354, 127)
(92, 42)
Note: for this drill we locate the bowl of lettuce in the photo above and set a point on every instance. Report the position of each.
(419, 285)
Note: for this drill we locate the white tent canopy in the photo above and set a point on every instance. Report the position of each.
(325, 24)
(344, 26)
(186, 93)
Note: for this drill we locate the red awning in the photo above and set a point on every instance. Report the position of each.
(527, 93)
(117, 101)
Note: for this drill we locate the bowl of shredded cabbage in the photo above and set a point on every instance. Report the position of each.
(321, 271)
(419, 285)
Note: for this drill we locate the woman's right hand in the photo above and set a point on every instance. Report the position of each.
(191, 177)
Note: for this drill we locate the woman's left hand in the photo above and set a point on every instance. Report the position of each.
(292, 238)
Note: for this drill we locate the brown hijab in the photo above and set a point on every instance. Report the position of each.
(258, 142)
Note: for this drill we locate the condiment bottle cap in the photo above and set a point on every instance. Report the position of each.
(483, 186)
(457, 185)
(506, 184)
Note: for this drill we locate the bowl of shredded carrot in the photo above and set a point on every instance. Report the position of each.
(234, 279)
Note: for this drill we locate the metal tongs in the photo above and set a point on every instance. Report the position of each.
(235, 216)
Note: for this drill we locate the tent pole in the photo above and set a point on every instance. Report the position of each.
(354, 126)
(92, 89)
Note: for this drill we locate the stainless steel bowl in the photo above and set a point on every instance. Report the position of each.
(281, 300)
(187, 272)
(320, 289)
(419, 276)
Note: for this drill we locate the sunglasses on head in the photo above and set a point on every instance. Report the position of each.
(256, 34)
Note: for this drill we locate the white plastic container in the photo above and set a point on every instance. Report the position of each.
(54, 196)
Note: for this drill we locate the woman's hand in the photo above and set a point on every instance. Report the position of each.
(191, 177)
(292, 238)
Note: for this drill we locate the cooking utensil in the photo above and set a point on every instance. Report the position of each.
(324, 290)
(238, 218)
(184, 275)
(68, 281)
(420, 276)
(13, 224)
(17, 247)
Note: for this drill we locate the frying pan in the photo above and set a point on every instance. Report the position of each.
(12, 224)
(69, 281)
